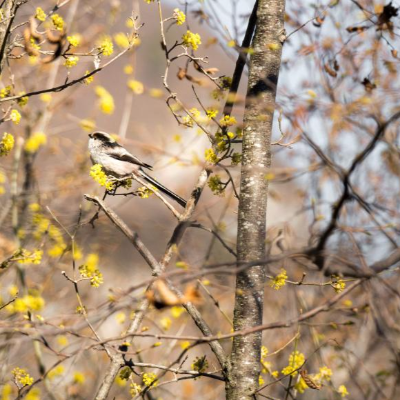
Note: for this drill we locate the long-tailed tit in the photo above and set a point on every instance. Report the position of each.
(118, 162)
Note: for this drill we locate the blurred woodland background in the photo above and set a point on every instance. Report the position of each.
(76, 317)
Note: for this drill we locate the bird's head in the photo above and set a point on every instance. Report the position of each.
(102, 137)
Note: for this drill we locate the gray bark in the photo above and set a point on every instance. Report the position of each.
(256, 159)
(8, 9)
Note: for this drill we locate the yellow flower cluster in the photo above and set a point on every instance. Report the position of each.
(33, 394)
(45, 97)
(74, 40)
(42, 226)
(106, 101)
(342, 390)
(22, 377)
(6, 91)
(79, 378)
(90, 270)
(296, 360)
(279, 281)
(136, 86)
(15, 116)
(106, 46)
(89, 79)
(6, 144)
(35, 141)
(211, 113)
(150, 379)
(144, 192)
(177, 311)
(22, 101)
(71, 61)
(24, 256)
(216, 185)
(338, 284)
(55, 372)
(40, 14)
(33, 301)
(210, 156)
(58, 22)
(191, 39)
(194, 115)
(227, 120)
(121, 40)
(88, 125)
(135, 389)
(179, 16)
(97, 173)
(166, 323)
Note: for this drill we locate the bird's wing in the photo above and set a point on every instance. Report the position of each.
(120, 153)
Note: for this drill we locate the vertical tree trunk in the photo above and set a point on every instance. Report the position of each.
(256, 159)
(8, 9)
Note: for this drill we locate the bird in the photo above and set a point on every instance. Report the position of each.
(116, 161)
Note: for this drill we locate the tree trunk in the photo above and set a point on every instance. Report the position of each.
(256, 159)
(8, 9)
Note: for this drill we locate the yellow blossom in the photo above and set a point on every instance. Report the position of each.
(260, 381)
(74, 40)
(301, 385)
(177, 311)
(157, 93)
(6, 91)
(264, 352)
(55, 372)
(121, 40)
(35, 141)
(88, 125)
(296, 360)
(179, 16)
(136, 86)
(120, 317)
(342, 390)
(227, 120)
(134, 389)
(90, 270)
(22, 101)
(45, 97)
(58, 22)
(22, 377)
(279, 281)
(106, 46)
(71, 61)
(106, 100)
(40, 14)
(191, 39)
(210, 156)
(211, 113)
(216, 185)
(166, 323)
(79, 378)
(150, 379)
(338, 284)
(128, 69)
(89, 79)
(185, 345)
(149, 1)
(62, 340)
(6, 392)
(6, 144)
(29, 257)
(15, 116)
(33, 394)
(30, 302)
(97, 173)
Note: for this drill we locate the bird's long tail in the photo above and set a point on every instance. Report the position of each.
(163, 189)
